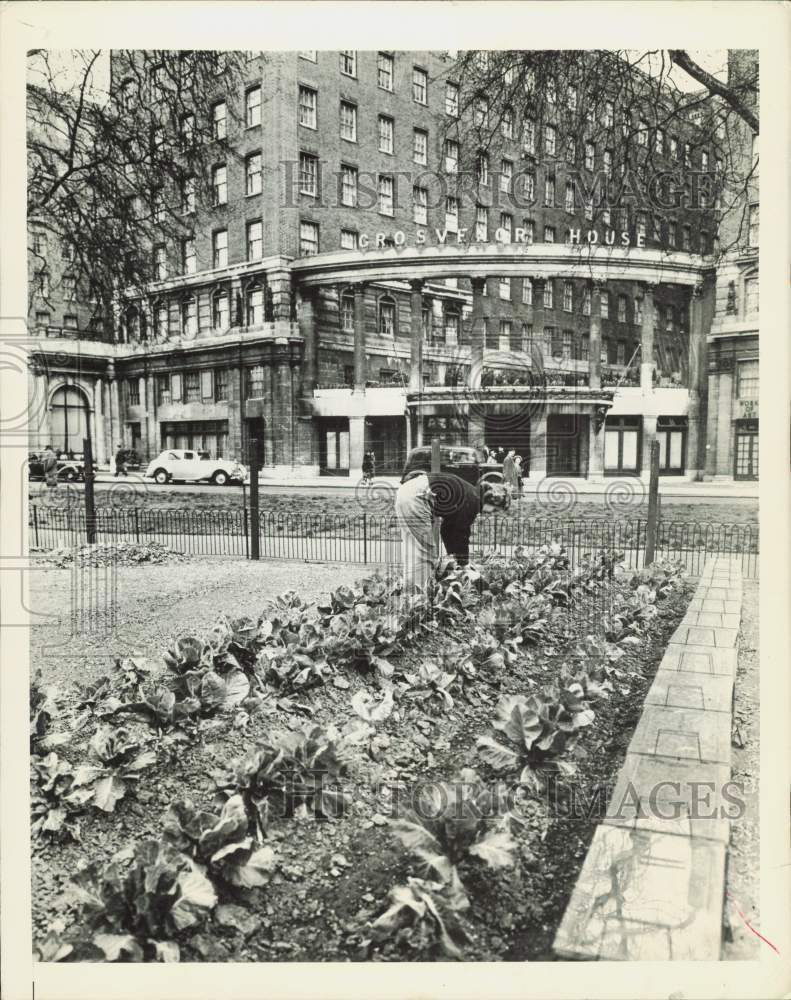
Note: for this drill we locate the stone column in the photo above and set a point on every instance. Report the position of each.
(722, 408)
(712, 425)
(309, 334)
(647, 378)
(152, 438)
(538, 445)
(416, 336)
(697, 345)
(116, 430)
(596, 449)
(478, 333)
(279, 282)
(356, 445)
(358, 291)
(594, 347)
(536, 349)
(99, 455)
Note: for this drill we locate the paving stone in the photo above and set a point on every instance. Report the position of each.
(692, 734)
(671, 796)
(712, 593)
(718, 607)
(732, 607)
(696, 605)
(724, 638)
(707, 692)
(687, 658)
(646, 896)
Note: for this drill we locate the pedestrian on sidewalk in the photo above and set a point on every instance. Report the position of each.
(120, 462)
(368, 466)
(518, 464)
(49, 464)
(509, 471)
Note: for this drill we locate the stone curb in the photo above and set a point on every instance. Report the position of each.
(653, 881)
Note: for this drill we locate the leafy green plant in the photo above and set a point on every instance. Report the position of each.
(92, 700)
(136, 914)
(43, 709)
(129, 675)
(220, 843)
(258, 779)
(55, 800)
(362, 638)
(534, 731)
(424, 917)
(430, 685)
(195, 682)
(121, 764)
(372, 711)
(457, 822)
(630, 617)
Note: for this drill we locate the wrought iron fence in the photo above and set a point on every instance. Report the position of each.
(375, 539)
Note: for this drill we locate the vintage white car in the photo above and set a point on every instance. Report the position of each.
(175, 465)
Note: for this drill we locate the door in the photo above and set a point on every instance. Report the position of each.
(746, 451)
(564, 444)
(187, 467)
(622, 438)
(334, 448)
(671, 433)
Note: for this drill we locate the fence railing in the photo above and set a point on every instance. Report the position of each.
(376, 539)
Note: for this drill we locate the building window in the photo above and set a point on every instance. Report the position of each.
(419, 85)
(255, 240)
(549, 297)
(220, 315)
(220, 248)
(192, 387)
(189, 317)
(254, 301)
(308, 174)
(219, 184)
(481, 112)
(385, 187)
(349, 63)
(481, 223)
(752, 226)
(420, 146)
(669, 318)
(671, 234)
(347, 312)
(451, 156)
(568, 296)
(420, 205)
(638, 311)
(452, 214)
(482, 168)
(529, 227)
(384, 71)
(160, 262)
(255, 382)
(549, 140)
(704, 160)
(747, 380)
(673, 147)
(507, 125)
(751, 296)
(348, 185)
(506, 175)
(219, 120)
(308, 99)
(160, 321)
(746, 464)
(349, 239)
(385, 134)
(348, 121)
(571, 150)
(163, 390)
(505, 288)
(40, 243)
(221, 385)
(621, 308)
(620, 353)
(452, 99)
(527, 291)
(253, 107)
(387, 316)
(133, 391)
(504, 343)
(70, 321)
(641, 225)
(529, 187)
(188, 259)
(549, 191)
(549, 234)
(622, 445)
(188, 195)
(506, 223)
(686, 233)
(569, 196)
(308, 239)
(529, 135)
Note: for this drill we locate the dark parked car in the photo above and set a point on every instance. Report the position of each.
(466, 462)
(69, 470)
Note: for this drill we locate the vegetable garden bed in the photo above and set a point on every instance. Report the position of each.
(376, 778)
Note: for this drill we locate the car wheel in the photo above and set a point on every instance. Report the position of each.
(220, 478)
(492, 477)
(69, 475)
(161, 477)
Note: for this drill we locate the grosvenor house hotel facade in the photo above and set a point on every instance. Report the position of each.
(361, 279)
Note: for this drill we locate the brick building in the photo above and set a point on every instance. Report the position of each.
(365, 275)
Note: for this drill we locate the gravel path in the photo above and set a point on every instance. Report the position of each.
(155, 603)
(742, 878)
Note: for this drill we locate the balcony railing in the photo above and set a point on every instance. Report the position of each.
(615, 375)
(71, 333)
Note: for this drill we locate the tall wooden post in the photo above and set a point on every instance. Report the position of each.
(255, 522)
(653, 505)
(436, 466)
(90, 502)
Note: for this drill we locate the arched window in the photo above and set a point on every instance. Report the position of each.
(220, 310)
(751, 295)
(189, 317)
(387, 316)
(160, 321)
(132, 318)
(69, 419)
(347, 312)
(254, 301)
